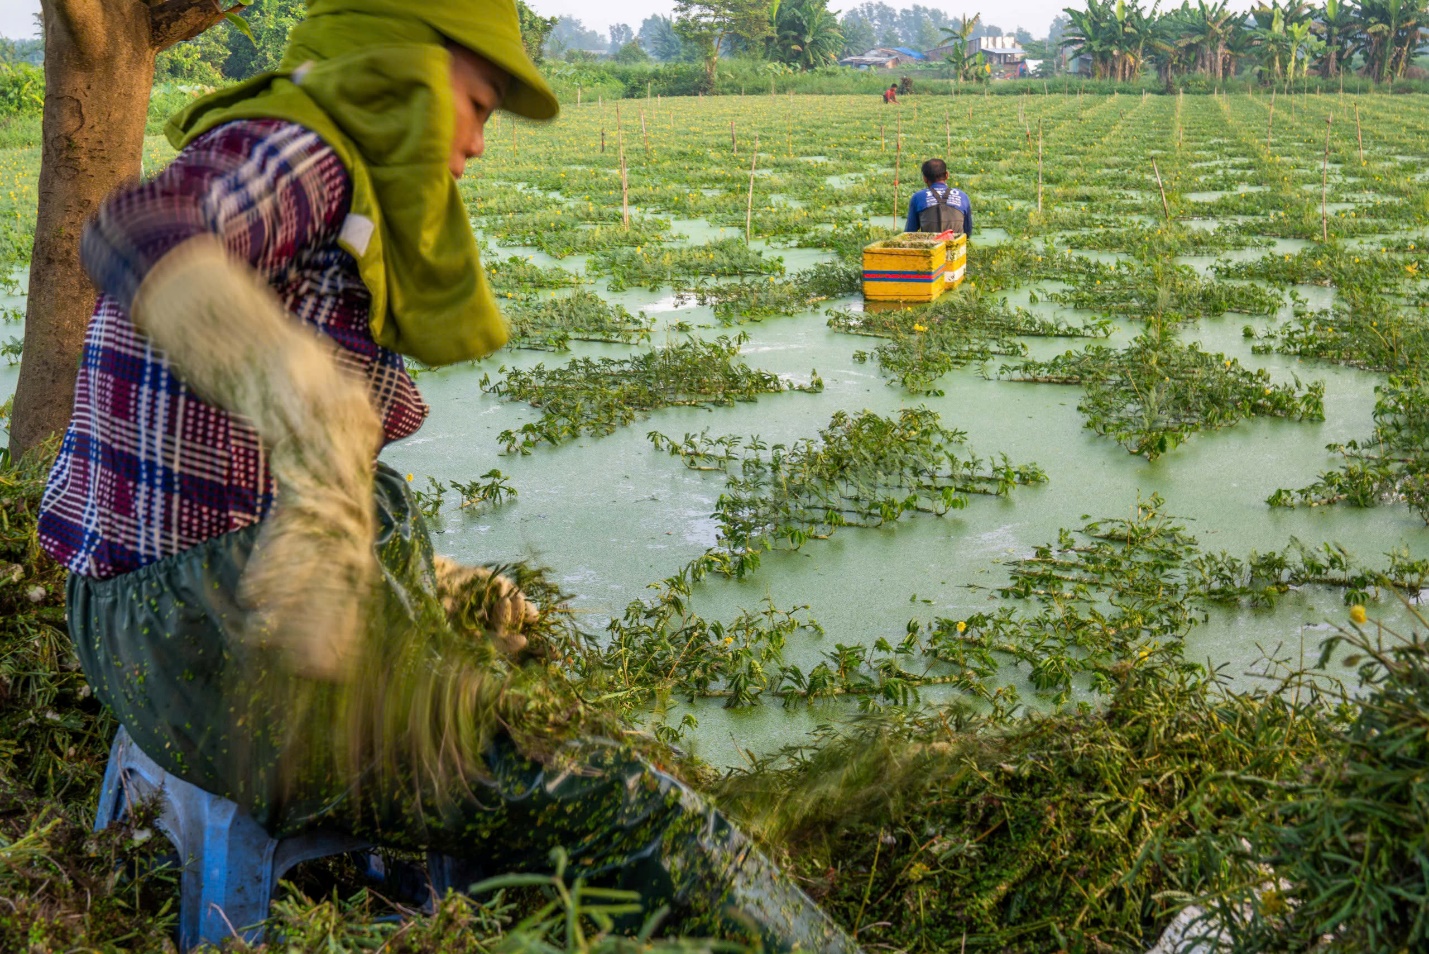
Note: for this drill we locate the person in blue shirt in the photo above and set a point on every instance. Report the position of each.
(939, 208)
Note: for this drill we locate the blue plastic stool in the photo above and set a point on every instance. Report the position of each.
(230, 865)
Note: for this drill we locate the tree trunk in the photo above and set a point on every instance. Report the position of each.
(99, 70)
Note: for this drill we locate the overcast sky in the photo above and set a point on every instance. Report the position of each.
(17, 16)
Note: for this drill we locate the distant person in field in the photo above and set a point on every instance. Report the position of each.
(890, 95)
(939, 208)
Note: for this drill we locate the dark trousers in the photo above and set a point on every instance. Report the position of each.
(433, 747)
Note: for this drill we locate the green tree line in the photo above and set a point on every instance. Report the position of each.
(1277, 43)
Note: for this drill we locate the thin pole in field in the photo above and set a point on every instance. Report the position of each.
(1039, 165)
(645, 133)
(624, 179)
(1270, 121)
(1325, 184)
(897, 163)
(882, 139)
(749, 205)
(1165, 206)
(578, 95)
(1359, 137)
(733, 140)
(602, 139)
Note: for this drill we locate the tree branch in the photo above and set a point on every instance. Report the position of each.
(173, 21)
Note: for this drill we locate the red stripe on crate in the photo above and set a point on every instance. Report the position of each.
(902, 276)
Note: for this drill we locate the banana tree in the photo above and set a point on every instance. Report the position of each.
(967, 66)
(1392, 31)
(808, 35)
(1337, 26)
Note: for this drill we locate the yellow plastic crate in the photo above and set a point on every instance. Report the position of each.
(905, 274)
(955, 268)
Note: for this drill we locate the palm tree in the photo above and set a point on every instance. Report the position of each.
(1278, 36)
(1115, 35)
(1337, 26)
(966, 66)
(807, 35)
(1392, 31)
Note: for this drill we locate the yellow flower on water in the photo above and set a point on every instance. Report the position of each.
(410, 478)
(962, 626)
(1357, 615)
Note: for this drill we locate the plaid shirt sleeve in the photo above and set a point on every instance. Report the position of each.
(267, 189)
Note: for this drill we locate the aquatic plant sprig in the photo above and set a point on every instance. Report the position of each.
(552, 323)
(1390, 466)
(927, 342)
(1155, 393)
(650, 266)
(594, 396)
(1157, 291)
(1373, 332)
(862, 470)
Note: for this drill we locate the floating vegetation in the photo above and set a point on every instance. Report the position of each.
(491, 491)
(1392, 466)
(755, 299)
(927, 342)
(1377, 335)
(519, 275)
(1356, 272)
(863, 470)
(1155, 393)
(1148, 243)
(551, 324)
(682, 267)
(594, 396)
(582, 240)
(1169, 294)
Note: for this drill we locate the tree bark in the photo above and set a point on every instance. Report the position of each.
(99, 71)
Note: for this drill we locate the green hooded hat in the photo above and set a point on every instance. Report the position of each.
(372, 79)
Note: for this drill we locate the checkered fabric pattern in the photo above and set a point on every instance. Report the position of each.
(147, 469)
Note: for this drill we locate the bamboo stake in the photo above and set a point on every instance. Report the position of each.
(897, 163)
(645, 133)
(749, 205)
(1270, 122)
(602, 139)
(624, 179)
(733, 140)
(1359, 137)
(1165, 206)
(1039, 166)
(1325, 184)
(882, 139)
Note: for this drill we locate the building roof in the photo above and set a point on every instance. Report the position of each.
(907, 52)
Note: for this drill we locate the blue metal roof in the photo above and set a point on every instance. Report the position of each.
(907, 52)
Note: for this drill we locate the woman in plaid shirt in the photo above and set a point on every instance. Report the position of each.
(214, 495)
